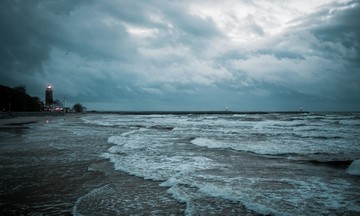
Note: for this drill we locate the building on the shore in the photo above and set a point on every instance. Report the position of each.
(49, 96)
(53, 105)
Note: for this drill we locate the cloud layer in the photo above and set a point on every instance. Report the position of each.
(187, 55)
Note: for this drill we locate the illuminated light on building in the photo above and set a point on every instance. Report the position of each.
(49, 96)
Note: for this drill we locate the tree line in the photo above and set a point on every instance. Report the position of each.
(17, 100)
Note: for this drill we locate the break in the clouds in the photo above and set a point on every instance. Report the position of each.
(185, 55)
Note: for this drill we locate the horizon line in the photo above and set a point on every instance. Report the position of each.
(179, 112)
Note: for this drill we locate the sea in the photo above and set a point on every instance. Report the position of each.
(213, 164)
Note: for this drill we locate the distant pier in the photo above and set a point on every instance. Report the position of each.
(195, 112)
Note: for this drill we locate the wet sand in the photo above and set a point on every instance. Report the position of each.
(46, 170)
(38, 179)
(22, 122)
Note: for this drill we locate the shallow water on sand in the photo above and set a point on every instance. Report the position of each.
(248, 164)
(52, 168)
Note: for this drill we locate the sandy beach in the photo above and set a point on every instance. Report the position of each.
(21, 122)
(40, 178)
(19, 119)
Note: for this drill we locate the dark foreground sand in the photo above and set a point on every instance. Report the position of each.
(22, 122)
(37, 179)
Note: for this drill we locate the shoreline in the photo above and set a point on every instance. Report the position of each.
(22, 122)
(195, 112)
(44, 175)
(8, 115)
(21, 119)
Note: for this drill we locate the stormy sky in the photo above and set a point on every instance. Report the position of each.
(244, 55)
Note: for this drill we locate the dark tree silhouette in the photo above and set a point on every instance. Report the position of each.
(78, 107)
(21, 89)
(16, 100)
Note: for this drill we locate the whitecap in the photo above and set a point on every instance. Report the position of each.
(203, 142)
(354, 168)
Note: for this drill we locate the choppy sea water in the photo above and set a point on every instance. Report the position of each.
(278, 164)
(195, 164)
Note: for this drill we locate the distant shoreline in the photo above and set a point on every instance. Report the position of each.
(20, 120)
(6, 115)
(195, 112)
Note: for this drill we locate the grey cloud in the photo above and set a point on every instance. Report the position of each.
(30, 29)
(195, 25)
(19, 49)
(87, 51)
(316, 61)
(337, 23)
(252, 27)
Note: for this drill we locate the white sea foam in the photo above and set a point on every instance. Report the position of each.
(190, 172)
(135, 143)
(277, 137)
(157, 167)
(92, 194)
(266, 146)
(203, 142)
(265, 195)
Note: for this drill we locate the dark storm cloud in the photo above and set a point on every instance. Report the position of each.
(22, 34)
(337, 31)
(193, 25)
(39, 35)
(182, 54)
(29, 30)
(318, 57)
(335, 23)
